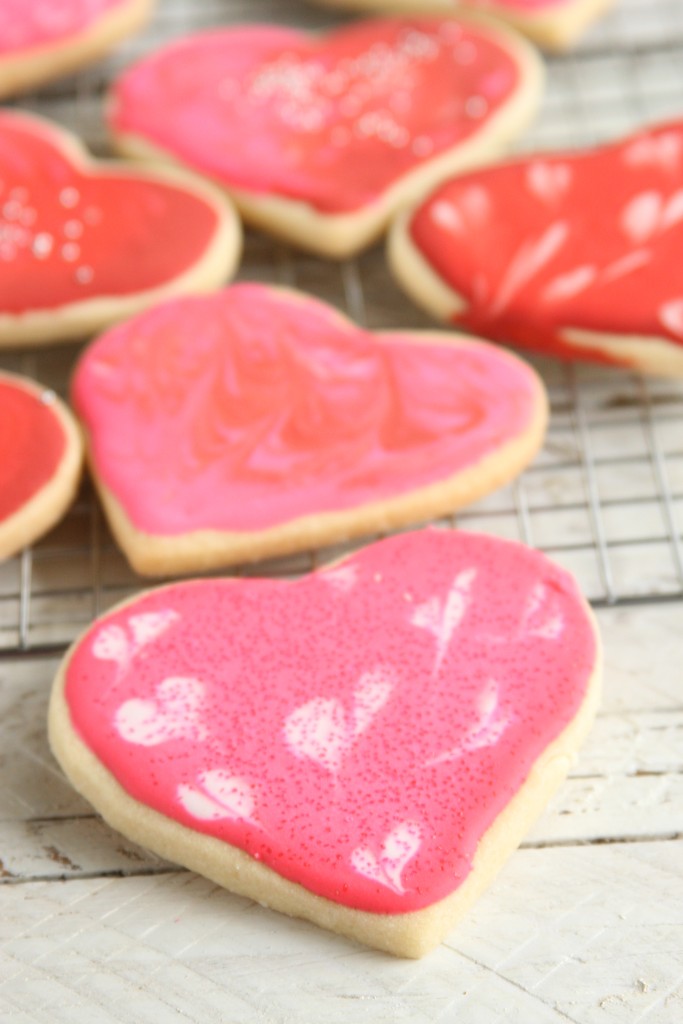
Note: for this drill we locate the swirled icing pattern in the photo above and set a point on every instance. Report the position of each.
(592, 244)
(332, 121)
(32, 444)
(31, 24)
(357, 738)
(252, 407)
(70, 233)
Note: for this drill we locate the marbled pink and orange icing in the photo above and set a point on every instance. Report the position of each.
(30, 25)
(357, 730)
(591, 243)
(253, 407)
(32, 444)
(331, 121)
(71, 232)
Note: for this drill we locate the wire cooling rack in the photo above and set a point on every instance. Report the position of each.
(605, 496)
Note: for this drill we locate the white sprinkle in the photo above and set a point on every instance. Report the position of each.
(73, 229)
(42, 245)
(71, 252)
(69, 197)
(84, 275)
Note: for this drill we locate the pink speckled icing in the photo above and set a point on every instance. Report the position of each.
(31, 24)
(252, 407)
(69, 233)
(357, 730)
(331, 121)
(592, 243)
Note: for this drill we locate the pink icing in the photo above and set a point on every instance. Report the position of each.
(331, 121)
(252, 407)
(592, 241)
(357, 730)
(28, 24)
(68, 234)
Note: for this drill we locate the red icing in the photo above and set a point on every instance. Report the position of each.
(591, 241)
(29, 24)
(249, 408)
(32, 444)
(331, 121)
(68, 234)
(357, 730)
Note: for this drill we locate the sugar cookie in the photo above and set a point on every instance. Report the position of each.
(584, 264)
(258, 422)
(40, 467)
(43, 39)
(84, 243)
(321, 139)
(363, 747)
(553, 24)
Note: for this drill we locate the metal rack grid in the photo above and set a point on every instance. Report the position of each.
(605, 496)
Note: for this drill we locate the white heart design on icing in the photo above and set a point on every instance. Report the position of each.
(671, 315)
(151, 625)
(399, 847)
(318, 730)
(649, 213)
(111, 644)
(548, 181)
(538, 618)
(665, 150)
(322, 731)
(442, 618)
(218, 795)
(486, 732)
(572, 283)
(530, 259)
(175, 713)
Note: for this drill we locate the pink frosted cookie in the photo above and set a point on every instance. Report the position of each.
(85, 243)
(42, 39)
(363, 747)
(584, 264)
(40, 461)
(321, 139)
(554, 24)
(257, 422)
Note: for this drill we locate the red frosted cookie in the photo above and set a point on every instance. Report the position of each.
(363, 747)
(321, 139)
(257, 422)
(554, 24)
(40, 461)
(42, 39)
(84, 243)
(584, 264)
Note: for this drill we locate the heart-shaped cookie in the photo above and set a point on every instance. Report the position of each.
(321, 139)
(40, 461)
(363, 747)
(83, 244)
(42, 39)
(257, 421)
(585, 264)
(554, 24)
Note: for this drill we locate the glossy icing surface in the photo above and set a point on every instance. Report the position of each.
(331, 121)
(592, 241)
(69, 233)
(249, 408)
(32, 444)
(357, 730)
(28, 24)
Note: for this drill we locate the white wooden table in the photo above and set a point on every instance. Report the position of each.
(585, 924)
